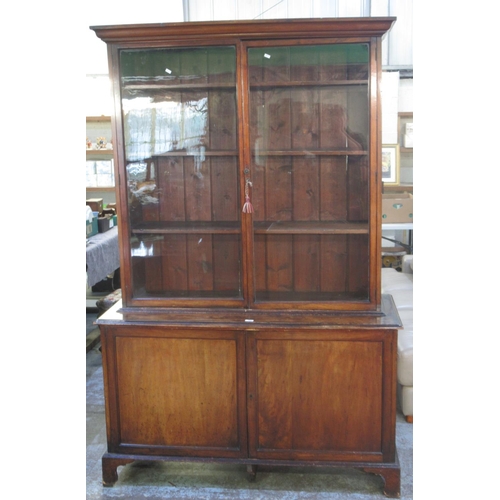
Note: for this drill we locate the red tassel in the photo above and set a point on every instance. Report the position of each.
(247, 207)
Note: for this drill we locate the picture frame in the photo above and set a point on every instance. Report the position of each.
(390, 164)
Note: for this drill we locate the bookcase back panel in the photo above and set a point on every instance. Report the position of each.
(197, 265)
(311, 267)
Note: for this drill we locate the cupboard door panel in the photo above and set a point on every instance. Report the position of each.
(179, 393)
(315, 398)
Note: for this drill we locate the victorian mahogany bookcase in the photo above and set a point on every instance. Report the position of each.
(252, 328)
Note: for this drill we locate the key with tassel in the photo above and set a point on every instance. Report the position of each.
(247, 207)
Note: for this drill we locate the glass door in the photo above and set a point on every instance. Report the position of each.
(181, 159)
(309, 169)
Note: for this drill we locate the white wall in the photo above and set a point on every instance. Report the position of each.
(397, 47)
(122, 12)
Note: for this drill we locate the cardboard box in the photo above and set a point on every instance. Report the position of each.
(397, 208)
(92, 227)
(112, 205)
(95, 204)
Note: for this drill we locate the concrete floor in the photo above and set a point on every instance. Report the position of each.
(196, 481)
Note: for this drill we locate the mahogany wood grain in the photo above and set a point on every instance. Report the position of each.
(164, 402)
(391, 476)
(192, 407)
(155, 33)
(315, 397)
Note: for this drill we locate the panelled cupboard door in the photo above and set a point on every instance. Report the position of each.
(175, 392)
(317, 396)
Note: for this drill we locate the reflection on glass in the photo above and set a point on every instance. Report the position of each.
(305, 64)
(189, 265)
(169, 94)
(181, 148)
(309, 115)
(157, 127)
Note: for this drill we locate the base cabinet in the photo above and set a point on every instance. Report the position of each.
(283, 396)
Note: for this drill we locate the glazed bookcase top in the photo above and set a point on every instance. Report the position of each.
(248, 158)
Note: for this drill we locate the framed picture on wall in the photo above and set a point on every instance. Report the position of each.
(390, 164)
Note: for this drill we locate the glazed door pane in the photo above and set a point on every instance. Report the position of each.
(181, 154)
(309, 136)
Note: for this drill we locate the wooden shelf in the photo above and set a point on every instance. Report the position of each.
(310, 227)
(307, 296)
(281, 84)
(287, 152)
(99, 152)
(312, 152)
(198, 153)
(195, 294)
(102, 118)
(162, 85)
(268, 227)
(225, 86)
(187, 227)
(191, 87)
